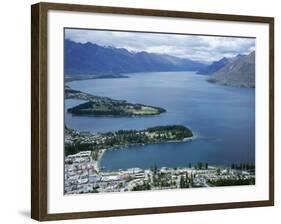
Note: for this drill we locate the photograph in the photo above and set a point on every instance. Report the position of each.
(148, 111)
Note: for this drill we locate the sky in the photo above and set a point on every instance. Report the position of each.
(195, 47)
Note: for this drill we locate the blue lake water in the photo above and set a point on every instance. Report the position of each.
(222, 117)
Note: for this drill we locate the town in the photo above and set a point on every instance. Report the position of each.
(84, 175)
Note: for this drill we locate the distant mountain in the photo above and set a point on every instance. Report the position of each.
(92, 59)
(215, 66)
(239, 72)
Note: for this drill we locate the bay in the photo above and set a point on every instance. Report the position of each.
(222, 118)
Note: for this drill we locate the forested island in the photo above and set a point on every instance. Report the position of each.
(85, 141)
(105, 106)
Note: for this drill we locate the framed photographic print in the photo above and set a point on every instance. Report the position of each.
(139, 111)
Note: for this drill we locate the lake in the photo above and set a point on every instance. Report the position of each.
(221, 117)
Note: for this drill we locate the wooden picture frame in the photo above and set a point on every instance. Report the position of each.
(39, 110)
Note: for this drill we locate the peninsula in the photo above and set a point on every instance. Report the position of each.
(105, 106)
(85, 141)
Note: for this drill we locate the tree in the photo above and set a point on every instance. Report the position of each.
(95, 155)
(218, 171)
(155, 169)
(182, 182)
(191, 179)
(186, 180)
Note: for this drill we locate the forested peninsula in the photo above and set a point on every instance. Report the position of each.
(105, 106)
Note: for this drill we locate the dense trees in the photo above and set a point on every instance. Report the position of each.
(232, 182)
(243, 166)
(200, 166)
(82, 142)
(179, 130)
(73, 148)
(142, 187)
(106, 107)
(186, 181)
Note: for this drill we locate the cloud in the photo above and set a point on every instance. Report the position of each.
(203, 48)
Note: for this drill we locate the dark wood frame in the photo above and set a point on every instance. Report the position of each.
(39, 110)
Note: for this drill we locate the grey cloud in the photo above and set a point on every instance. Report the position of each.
(204, 48)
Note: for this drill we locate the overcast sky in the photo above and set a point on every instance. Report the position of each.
(203, 48)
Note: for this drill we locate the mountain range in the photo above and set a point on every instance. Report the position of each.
(239, 71)
(93, 59)
(215, 66)
(88, 60)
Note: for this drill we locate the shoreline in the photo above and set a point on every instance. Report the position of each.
(167, 168)
(73, 78)
(100, 155)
